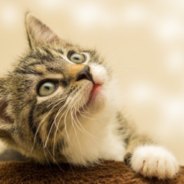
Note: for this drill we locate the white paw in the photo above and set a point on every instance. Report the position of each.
(154, 161)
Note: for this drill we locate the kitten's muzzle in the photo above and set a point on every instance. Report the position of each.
(85, 74)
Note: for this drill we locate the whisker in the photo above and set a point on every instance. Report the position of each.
(54, 160)
(85, 116)
(82, 129)
(53, 124)
(57, 128)
(63, 115)
(69, 163)
(65, 125)
(75, 132)
(46, 158)
(42, 123)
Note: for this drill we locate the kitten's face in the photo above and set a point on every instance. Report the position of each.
(53, 85)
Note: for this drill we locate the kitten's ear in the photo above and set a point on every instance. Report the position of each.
(6, 123)
(38, 33)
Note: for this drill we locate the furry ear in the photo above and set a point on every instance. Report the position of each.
(6, 123)
(38, 33)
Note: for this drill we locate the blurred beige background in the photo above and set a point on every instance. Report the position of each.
(143, 40)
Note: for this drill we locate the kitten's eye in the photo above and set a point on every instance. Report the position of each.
(77, 58)
(47, 88)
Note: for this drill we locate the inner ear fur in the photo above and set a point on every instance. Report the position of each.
(38, 33)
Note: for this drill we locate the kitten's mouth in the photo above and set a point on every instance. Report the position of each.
(95, 91)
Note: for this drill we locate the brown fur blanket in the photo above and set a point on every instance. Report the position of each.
(108, 172)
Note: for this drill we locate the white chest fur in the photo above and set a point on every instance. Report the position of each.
(95, 139)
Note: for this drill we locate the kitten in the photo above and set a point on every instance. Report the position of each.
(59, 104)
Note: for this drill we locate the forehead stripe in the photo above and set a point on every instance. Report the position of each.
(27, 71)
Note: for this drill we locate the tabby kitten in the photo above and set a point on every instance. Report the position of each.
(59, 104)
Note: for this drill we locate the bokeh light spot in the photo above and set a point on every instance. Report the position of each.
(169, 29)
(173, 109)
(175, 61)
(88, 13)
(50, 4)
(141, 92)
(9, 14)
(134, 14)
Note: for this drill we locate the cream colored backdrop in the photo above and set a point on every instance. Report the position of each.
(142, 39)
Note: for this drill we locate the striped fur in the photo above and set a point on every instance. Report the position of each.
(66, 126)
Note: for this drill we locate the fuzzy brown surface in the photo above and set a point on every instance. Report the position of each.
(108, 173)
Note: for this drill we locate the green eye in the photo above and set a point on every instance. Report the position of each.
(47, 88)
(77, 58)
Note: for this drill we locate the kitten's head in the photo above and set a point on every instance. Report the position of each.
(53, 84)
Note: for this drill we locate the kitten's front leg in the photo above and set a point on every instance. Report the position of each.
(150, 160)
